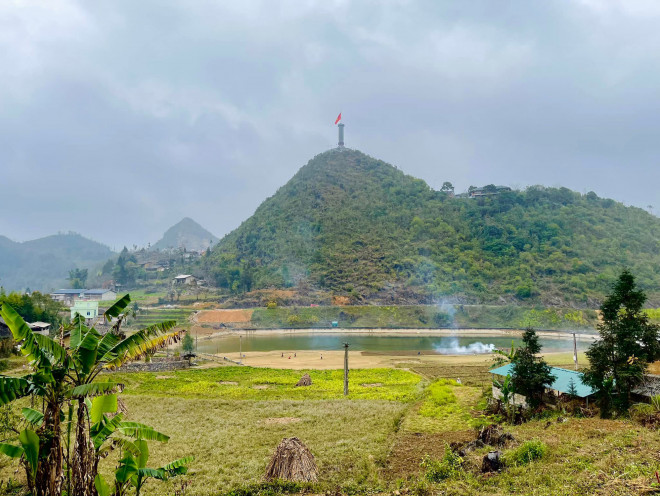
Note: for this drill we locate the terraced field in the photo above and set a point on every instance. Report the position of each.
(149, 316)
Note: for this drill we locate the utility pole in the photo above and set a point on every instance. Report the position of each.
(345, 369)
(575, 352)
(240, 349)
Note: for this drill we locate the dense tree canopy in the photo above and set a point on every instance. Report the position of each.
(355, 225)
(627, 344)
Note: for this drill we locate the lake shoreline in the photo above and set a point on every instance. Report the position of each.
(581, 335)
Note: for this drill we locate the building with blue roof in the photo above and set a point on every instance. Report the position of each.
(561, 384)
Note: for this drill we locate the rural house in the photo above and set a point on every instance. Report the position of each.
(184, 279)
(40, 327)
(86, 309)
(67, 296)
(564, 378)
(98, 295)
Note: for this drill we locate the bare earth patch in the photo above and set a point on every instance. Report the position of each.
(224, 316)
(372, 385)
(164, 377)
(228, 383)
(281, 420)
(260, 386)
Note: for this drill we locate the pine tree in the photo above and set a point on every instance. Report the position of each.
(531, 375)
(627, 344)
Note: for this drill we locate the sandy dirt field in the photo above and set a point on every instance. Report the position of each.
(362, 359)
(223, 316)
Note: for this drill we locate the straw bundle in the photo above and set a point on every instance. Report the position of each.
(292, 461)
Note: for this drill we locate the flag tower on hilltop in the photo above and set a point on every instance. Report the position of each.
(341, 131)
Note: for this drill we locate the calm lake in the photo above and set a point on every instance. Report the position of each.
(462, 343)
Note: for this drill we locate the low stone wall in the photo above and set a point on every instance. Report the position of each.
(155, 365)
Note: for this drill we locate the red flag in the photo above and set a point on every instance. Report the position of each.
(338, 118)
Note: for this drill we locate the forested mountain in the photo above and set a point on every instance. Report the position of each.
(44, 264)
(356, 226)
(186, 234)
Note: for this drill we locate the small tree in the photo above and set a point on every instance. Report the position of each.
(188, 344)
(531, 375)
(627, 344)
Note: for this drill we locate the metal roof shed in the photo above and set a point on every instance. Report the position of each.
(562, 382)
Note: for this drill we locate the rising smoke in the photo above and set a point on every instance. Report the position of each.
(450, 345)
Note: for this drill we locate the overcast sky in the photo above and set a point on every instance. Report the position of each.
(118, 118)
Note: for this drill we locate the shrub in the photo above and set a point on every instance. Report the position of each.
(4, 365)
(271, 305)
(450, 466)
(527, 452)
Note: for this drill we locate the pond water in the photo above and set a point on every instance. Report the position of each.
(460, 343)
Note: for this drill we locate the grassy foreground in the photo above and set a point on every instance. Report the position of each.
(231, 419)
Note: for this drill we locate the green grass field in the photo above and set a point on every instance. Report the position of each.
(231, 418)
(245, 383)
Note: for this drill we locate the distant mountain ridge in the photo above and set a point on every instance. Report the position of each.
(43, 264)
(353, 225)
(186, 234)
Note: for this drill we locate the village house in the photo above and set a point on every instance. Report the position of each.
(565, 381)
(99, 294)
(40, 328)
(67, 296)
(184, 279)
(86, 309)
(489, 190)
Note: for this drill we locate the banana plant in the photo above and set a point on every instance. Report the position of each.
(28, 453)
(70, 375)
(503, 357)
(132, 438)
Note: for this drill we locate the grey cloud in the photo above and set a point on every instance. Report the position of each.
(202, 109)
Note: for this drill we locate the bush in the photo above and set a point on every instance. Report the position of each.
(271, 305)
(527, 452)
(4, 365)
(450, 466)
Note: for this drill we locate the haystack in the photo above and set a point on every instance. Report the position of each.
(292, 461)
(305, 380)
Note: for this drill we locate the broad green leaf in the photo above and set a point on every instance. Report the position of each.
(108, 342)
(102, 487)
(93, 389)
(138, 345)
(30, 442)
(156, 473)
(159, 328)
(11, 450)
(78, 330)
(127, 445)
(111, 426)
(144, 453)
(178, 467)
(117, 308)
(51, 347)
(127, 468)
(86, 353)
(101, 405)
(24, 335)
(12, 388)
(141, 431)
(34, 417)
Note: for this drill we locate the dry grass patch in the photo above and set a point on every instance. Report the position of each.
(232, 441)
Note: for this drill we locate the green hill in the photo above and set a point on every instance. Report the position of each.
(44, 263)
(186, 234)
(357, 226)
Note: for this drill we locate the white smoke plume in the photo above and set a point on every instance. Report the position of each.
(453, 348)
